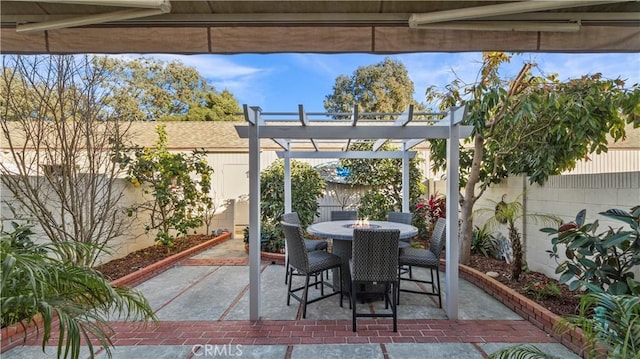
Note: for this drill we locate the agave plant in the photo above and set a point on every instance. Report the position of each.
(78, 300)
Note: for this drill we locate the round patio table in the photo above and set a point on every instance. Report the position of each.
(342, 234)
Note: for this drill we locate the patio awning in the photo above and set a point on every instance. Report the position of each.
(300, 136)
(363, 26)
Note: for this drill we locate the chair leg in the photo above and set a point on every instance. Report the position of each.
(352, 290)
(394, 305)
(304, 296)
(439, 293)
(289, 275)
(341, 291)
(286, 269)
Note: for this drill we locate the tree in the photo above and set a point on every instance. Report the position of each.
(532, 125)
(384, 87)
(179, 184)
(60, 134)
(221, 106)
(384, 179)
(151, 90)
(509, 213)
(306, 187)
(38, 281)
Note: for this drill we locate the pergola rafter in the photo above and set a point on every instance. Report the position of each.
(289, 133)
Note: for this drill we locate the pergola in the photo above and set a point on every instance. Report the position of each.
(403, 131)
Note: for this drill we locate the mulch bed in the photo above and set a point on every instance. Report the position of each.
(119, 268)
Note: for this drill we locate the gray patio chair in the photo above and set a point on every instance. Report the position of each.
(425, 258)
(401, 217)
(405, 218)
(374, 262)
(310, 244)
(344, 215)
(309, 264)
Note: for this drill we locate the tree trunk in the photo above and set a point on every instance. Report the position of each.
(516, 248)
(466, 230)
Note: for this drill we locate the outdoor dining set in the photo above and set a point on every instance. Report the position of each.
(368, 260)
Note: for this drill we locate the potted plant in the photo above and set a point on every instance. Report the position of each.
(271, 239)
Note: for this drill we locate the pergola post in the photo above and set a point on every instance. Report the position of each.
(287, 190)
(453, 193)
(405, 179)
(252, 115)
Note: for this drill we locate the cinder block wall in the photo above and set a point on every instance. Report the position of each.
(563, 196)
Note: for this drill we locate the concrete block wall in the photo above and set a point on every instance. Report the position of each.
(563, 196)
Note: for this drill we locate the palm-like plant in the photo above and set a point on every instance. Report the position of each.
(608, 322)
(509, 213)
(36, 282)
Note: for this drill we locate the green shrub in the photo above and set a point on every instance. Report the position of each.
(542, 289)
(599, 261)
(483, 242)
(384, 178)
(306, 187)
(78, 300)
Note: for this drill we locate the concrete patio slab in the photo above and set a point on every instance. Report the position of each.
(203, 311)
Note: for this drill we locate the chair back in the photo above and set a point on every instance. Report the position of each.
(400, 217)
(375, 254)
(344, 215)
(291, 217)
(298, 257)
(438, 237)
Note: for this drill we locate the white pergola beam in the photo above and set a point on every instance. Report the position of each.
(345, 154)
(401, 121)
(333, 132)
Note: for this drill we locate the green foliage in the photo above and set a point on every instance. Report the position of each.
(542, 289)
(538, 126)
(609, 320)
(147, 89)
(179, 183)
(599, 261)
(271, 237)
(306, 187)
(483, 242)
(426, 213)
(532, 125)
(523, 351)
(79, 300)
(384, 87)
(384, 178)
(605, 320)
(221, 106)
(509, 213)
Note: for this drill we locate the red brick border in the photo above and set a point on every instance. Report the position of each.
(13, 335)
(523, 306)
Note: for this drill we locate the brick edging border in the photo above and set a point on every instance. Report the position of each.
(13, 335)
(531, 311)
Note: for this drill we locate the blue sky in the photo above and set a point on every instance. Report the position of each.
(279, 82)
